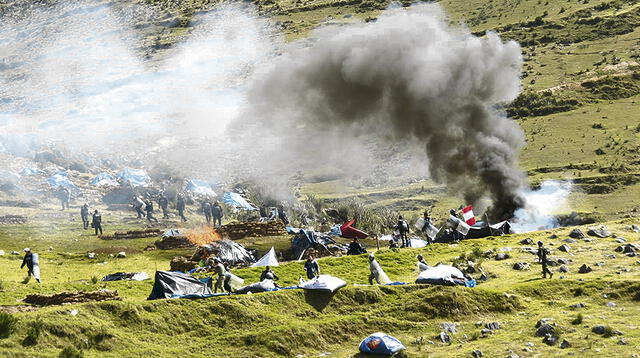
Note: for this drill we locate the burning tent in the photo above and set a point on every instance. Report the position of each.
(135, 177)
(199, 187)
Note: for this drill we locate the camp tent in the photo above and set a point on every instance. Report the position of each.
(442, 275)
(269, 259)
(60, 179)
(232, 253)
(236, 201)
(306, 239)
(326, 283)
(104, 179)
(170, 284)
(350, 232)
(135, 177)
(199, 187)
(381, 343)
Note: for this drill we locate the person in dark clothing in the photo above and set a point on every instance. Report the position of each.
(84, 214)
(355, 248)
(392, 244)
(139, 204)
(403, 229)
(206, 210)
(268, 274)
(65, 196)
(312, 268)
(96, 222)
(28, 261)
(282, 215)
(180, 205)
(163, 203)
(217, 214)
(149, 209)
(543, 253)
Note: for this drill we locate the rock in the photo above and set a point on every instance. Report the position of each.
(553, 236)
(1, 252)
(512, 355)
(541, 322)
(610, 256)
(576, 234)
(611, 304)
(527, 241)
(621, 240)
(443, 337)
(530, 250)
(635, 228)
(570, 241)
(627, 248)
(13, 252)
(545, 329)
(502, 256)
(631, 254)
(600, 264)
(91, 255)
(485, 332)
(550, 340)
(470, 269)
(431, 342)
(565, 344)
(584, 269)
(492, 325)
(73, 312)
(622, 342)
(599, 329)
(563, 268)
(579, 305)
(476, 354)
(563, 261)
(601, 231)
(483, 277)
(449, 327)
(121, 254)
(505, 249)
(564, 248)
(521, 266)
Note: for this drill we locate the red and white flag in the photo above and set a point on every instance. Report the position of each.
(467, 215)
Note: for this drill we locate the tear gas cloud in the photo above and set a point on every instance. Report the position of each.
(541, 205)
(412, 76)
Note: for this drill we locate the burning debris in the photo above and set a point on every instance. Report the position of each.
(186, 238)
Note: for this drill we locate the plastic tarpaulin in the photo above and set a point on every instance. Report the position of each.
(442, 275)
(232, 253)
(417, 243)
(135, 177)
(262, 286)
(36, 266)
(326, 283)
(381, 343)
(104, 179)
(236, 201)
(30, 172)
(199, 187)
(132, 276)
(350, 232)
(269, 259)
(170, 284)
(60, 179)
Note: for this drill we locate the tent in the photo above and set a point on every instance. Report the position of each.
(306, 239)
(381, 343)
(133, 276)
(269, 259)
(199, 187)
(104, 179)
(236, 201)
(326, 283)
(60, 179)
(481, 229)
(135, 177)
(442, 275)
(350, 232)
(262, 286)
(231, 252)
(170, 284)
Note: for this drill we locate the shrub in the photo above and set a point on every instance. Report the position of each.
(531, 104)
(71, 352)
(94, 280)
(7, 324)
(579, 318)
(33, 334)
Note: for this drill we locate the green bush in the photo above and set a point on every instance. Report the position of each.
(532, 104)
(33, 333)
(7, 324)
(71, 352)
(579, 318)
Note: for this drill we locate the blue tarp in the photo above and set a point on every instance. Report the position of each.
(200, 187)
(236, 201)
(380, 343)
(60, 179)
(30, 171)
(104, 179)
(135, 177)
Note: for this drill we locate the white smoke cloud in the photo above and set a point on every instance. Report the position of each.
(541, 206)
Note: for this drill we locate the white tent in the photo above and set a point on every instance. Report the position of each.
(323, 283)
(269, 259)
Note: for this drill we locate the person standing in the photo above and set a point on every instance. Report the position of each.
(543, 253)
(422, 265)
(65, 196)
(163, 203)
(30, 260)
(96, 222)
(312, 268)
(180, 205)
(138, 204)
(84, 214)
(149, 209)
(222, 274)
(268, 274)
(374, 269)
(403, 229)
(217, 214)
(206, 210)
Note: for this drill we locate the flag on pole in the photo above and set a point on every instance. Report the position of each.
(467, 215)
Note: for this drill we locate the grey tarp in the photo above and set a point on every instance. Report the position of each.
(169, 284)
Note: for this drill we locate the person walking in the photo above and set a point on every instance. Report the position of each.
(96, 222)
(222, 275)
(217, 214)
(84, 214)
(206, 210)
(149, 209)
(374, 269)
(180, 205)
(543, 258)
(312, 268)
(31, 261)
(403, 229)
(163, 203)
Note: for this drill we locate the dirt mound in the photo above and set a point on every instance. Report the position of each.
(133, 234)
(13, 219)
(115, 250)
(17, 308)
(235, 231)
(174, 242)
(72, 297)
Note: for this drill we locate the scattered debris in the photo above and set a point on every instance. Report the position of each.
(527, 241)
(502, 256)
(565, 344)
(132, 276)
(476, 354)
(563, 269)
(121, 255)
(71, 297)
(133, 234)
(443, 337)
(449, 327)
(628, 248)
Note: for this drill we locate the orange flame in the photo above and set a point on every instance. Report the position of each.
(202, 236)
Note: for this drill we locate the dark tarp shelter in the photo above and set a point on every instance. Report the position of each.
(306, 239)
(171, 284)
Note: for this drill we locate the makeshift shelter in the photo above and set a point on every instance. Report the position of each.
(417, 243)
(262, 286)
(269, 259)
(481, 229)
(236, 201)
(232, 253)
(348, 231)
(199, 187)
(27, 172)
(442, 275)
(176, 284)
(135, 177)
(381, 343)
(309, 239)
(326, 283)
(129, 276)
(60, 179)
(104, 179)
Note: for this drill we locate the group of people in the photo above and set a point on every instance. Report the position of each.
(212, 211)
(144, 208)
(96, 219)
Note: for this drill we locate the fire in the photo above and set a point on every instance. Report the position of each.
(202, 236)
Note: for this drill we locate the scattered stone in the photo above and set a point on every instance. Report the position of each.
(527, 241)
(530, 250)
(563, 261)
(622, 342)
(565, 344)
(121, 254)
(73, 312)
(611, 304)
(505, 249)
(483, 277)
(579, 305)
(521, 266)
(587, 240)
(431, 342)
(584, 269)
(527, 349)
(569, 241)
(627, 248)
(621, 240)
(492, 325)
(529, 344)
(91, 255)
(576, 234)
(601, 231)
(564, 248)
(611, 256)
(545, 329)
(563, 269)
(512, 355)
(443, 337)
(600, 264)
(635, 228)
(485, 332)
(1, 252)
(449, 327)
(553, 236)
(631, 254)
(488, 253)
(502, 256)
(476, 354)
(599, 329)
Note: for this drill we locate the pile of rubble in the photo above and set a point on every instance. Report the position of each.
(239, 230)
(133, 234)
(72, 297)
(13, 219)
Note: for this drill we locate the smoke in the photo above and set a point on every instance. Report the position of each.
(541, 205)
(407, 77)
